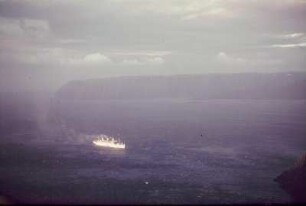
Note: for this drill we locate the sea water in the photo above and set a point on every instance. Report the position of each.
(177, 151)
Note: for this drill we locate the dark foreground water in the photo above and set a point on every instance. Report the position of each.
(217, 151)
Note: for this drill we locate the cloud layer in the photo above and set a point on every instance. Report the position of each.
(50, 42)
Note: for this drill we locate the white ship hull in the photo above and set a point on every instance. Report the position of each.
(108, 142)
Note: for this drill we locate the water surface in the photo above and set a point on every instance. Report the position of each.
(178, 151)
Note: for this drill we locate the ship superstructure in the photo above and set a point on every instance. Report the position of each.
(106, 141)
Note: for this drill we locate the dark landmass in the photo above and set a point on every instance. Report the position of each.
(294, 180)
(209, 86)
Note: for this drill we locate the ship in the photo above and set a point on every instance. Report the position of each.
(106, 141)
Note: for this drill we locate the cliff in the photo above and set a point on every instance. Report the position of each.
(294, 180)
(210, 86)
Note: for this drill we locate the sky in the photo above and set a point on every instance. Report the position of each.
(45, 43)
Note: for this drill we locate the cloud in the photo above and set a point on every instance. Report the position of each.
(97, 58)
(298, 45)
(251, 63)
(292, 36)
(10, 28)
(156, 60)
(143, 61)
(225, 58)
(62, 57)
(131, 62)
(28, 28)
(211, 13)
(119, 37)
(183, 9)
(54, 57)
(140, 53)
(281, 40)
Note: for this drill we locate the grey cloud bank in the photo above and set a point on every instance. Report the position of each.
(43, 44)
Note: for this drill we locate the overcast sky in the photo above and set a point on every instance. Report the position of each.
(45, 43)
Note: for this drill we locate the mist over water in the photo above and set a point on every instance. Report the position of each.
(178, 151)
